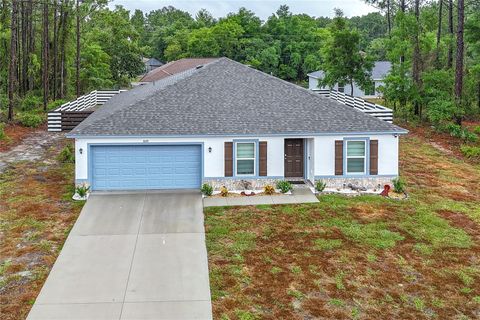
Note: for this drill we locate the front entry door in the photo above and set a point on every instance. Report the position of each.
(293, 158)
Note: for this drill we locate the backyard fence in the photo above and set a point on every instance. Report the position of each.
(373, 109)
(70, 114)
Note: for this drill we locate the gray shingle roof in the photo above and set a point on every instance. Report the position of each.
(379, 71)
(225, 98)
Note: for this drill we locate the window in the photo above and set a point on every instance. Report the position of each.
(341, 88)
(245, 158)
(356, 157)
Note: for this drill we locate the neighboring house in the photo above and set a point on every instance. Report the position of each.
(379, 72)
(151, 64)
(226, 123)
(174, 67)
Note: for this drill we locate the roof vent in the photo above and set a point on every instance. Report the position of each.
(199, 66)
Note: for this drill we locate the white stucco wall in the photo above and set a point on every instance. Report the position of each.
(387, 154)
(320, 152)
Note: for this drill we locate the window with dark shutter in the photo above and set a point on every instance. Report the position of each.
(373, 157)
(262, 156)
(338, 157)
(228, 159)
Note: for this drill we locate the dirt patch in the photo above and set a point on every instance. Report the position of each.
(461, 221)
(15, 134)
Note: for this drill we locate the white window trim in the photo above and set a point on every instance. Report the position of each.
(364, 157)
(254, 159)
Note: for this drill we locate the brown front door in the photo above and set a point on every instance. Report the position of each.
(293, 158)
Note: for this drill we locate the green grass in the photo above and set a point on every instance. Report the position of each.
(327, 244)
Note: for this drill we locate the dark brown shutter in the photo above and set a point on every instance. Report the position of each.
(373, 157)
(338, 157)
(228, 159)
(262, 158)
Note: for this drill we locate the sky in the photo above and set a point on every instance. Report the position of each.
(262, 8)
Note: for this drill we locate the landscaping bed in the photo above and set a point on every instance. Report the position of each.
(364, 257)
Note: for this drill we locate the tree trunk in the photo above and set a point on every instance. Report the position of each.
(63, 42)
(389, 19)
(451, 34)
(23, 49)
(12, 68)
(77, 64)
(31, 44)
(351, 88)
(459, 60)
(439, 33)
(45, 64)
(416, 57)
(55, 49)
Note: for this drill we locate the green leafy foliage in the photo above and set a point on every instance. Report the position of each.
(2, 131)
(82, 190)
(284, 186)
(67, 155)
(398, 185)
(472, 152)
(31, 102)
(29, 119)
(320, 185)
(458, 131)
(207, 189)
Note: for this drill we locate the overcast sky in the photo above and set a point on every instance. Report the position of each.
(263, 8)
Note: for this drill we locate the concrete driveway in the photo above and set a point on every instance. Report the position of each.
(131, 256)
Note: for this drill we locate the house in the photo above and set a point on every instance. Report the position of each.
(379, 72)
(174, 67)
(225, 123)
(151, 64)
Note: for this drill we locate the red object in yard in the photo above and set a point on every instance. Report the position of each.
(386, 189)
(247, 195)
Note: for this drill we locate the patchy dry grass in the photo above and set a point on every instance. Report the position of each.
(356, 258)
(36, 214)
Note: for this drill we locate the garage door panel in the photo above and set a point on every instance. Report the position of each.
(146, 167)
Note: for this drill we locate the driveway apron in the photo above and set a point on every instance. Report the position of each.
(131, 256)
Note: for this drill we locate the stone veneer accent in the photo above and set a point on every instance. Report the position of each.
(240, 184)
(256, 184)
(367, 182)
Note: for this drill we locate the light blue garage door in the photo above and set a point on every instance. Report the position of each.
(131, 167)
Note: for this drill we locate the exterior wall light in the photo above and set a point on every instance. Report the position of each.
(80, 150)
(209, 149)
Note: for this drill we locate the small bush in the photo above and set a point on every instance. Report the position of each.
(457, 131)
(320, 185)
(207, 189)
(471, 152)
(223, 191)
(30, 120)
(82, 190)
(55, 104)
(31, 102)
(2, 131)
(67, 155)
(284, 186)
(268, 189)
(476, 130)
(398, 185)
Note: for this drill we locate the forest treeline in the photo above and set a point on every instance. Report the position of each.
(54, 50)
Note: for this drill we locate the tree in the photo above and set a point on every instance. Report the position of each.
(12, 67)
(343, 62)
(45, 47)
(460, 56)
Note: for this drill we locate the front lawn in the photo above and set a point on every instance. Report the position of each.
(356, 258)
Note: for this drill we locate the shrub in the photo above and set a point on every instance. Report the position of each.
(476, 130)
(55, 104)
(457, 131)
(320, 185)
(284, 186)
(471, 152)
(398, 185)
(67, 154)
(31, 102)
(269, 189)
(30, 120)
(82, 190)
(2, 131)
(207, 189)
(223, 191)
